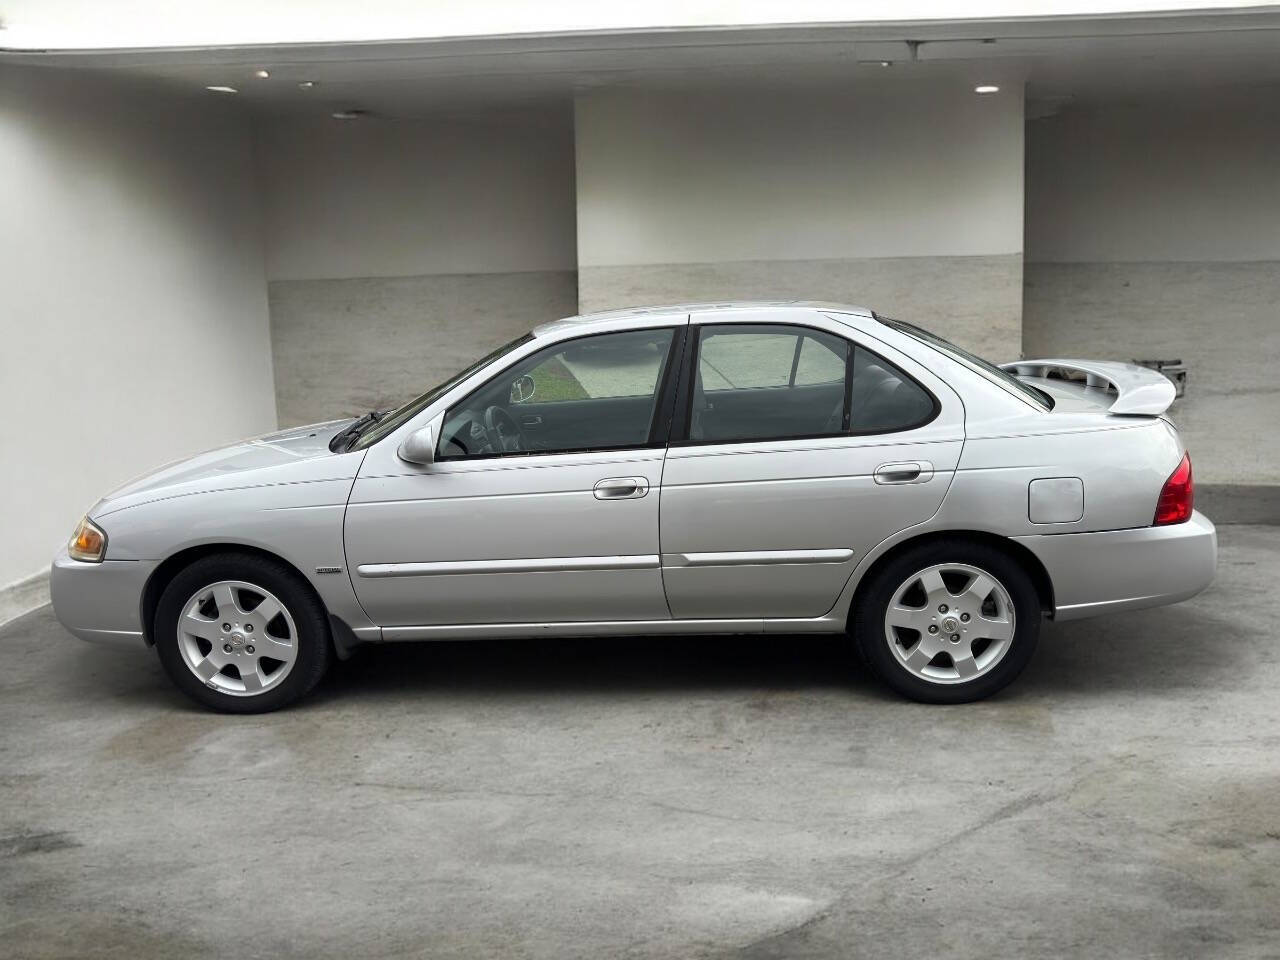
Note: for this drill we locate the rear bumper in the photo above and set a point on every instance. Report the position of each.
(100, 602)
(1112, 570)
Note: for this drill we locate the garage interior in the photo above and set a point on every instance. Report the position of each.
(186, 266)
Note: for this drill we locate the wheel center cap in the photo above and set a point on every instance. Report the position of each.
(237, 639)
(950, 624)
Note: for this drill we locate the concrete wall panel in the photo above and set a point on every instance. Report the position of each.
(1166, 181)
(346, 346)
(976, 301)
(398, 252)
(1221, 319)
(379, 198)
(1153, 230)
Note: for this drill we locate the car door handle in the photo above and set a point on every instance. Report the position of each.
(621, 488)
(533, 420)
(913, 471)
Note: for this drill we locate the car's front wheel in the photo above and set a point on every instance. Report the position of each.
(242, 633)
(948, 622)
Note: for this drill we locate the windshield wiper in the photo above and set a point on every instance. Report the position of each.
(347, 437)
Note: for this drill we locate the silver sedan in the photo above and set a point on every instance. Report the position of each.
(725, 468)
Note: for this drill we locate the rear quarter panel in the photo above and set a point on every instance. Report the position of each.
(1123, 463)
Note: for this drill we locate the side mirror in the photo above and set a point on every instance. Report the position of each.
(523, 389)
(419, 447)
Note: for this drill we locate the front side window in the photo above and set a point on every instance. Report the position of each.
(381, 428)
(598, 392)
(773, 382)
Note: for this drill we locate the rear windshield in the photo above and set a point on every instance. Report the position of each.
(973, 362)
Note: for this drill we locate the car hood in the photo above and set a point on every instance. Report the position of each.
(297, 455)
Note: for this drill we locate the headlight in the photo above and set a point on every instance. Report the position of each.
(88, 543)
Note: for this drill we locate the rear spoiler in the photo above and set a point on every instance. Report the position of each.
(1137, 390)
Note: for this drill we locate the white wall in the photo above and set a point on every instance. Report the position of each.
(379, 198)
(133, 328)
(905, 197)
(906, 170)
(398, 252)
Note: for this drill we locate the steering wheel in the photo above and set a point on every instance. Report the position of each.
(502, 427)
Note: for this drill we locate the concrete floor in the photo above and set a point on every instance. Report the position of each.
(660, 798)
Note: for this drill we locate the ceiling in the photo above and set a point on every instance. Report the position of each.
(1061, 59)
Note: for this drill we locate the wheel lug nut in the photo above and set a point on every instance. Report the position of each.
(248, 628)
(249, 648)
(226, 628)
(226, 648)
(942, 608)
(964, 618)
(933, 628)
(955, 638)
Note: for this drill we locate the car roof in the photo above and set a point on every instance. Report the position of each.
(709, 307)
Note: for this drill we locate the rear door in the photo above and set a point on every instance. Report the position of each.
(796, 451)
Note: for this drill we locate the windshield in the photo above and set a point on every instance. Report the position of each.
(973, 361)
(411, 409)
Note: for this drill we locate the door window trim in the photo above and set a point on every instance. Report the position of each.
(659, 426)
(684, 393)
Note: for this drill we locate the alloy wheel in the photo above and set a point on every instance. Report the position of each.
(237, 638)
(950, 623)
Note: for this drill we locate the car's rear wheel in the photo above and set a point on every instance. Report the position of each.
(241, 633)
(948, 621)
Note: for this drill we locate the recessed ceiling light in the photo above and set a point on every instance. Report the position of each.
(262, 74)
(348, 114)
(307, 84)
(986, 88)
(217, 89)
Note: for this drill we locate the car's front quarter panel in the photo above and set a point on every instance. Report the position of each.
(294, 512)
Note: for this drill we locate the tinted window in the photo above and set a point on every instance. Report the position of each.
(883, 399)
(732, 360)
(592, 393)
(819, 362)
(411, 409)
(974, 362)
(767, 382)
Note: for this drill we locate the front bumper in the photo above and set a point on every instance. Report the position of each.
(1112, 570)
(100, 602)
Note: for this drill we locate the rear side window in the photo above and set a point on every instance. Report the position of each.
(883, 399)
(772, 382)
(746, 359)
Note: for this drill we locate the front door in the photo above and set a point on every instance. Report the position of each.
(799, 451)
(542, 505)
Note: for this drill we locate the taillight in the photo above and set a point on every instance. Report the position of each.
(1177, 497)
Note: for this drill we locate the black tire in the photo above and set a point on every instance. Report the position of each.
(314, 647)
(868, 624)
